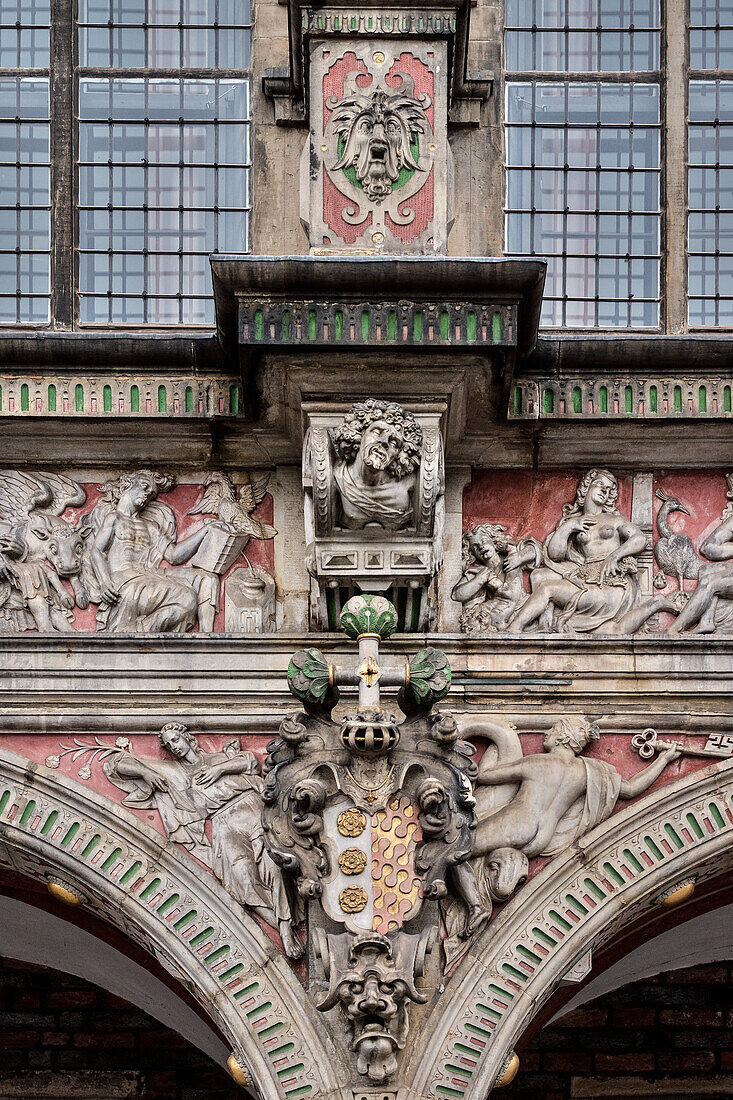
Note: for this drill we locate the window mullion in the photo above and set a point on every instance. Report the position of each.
(63, 133)
(675, 63)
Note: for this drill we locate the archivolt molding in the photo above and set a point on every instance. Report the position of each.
(132, 877)
(580, 900)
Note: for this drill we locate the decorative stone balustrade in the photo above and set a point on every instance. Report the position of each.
(599, 397)
(111, 396)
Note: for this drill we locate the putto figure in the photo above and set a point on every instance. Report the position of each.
(225, 788)
(378, 447)
(130, 534)
(375, 133)
(491, 587)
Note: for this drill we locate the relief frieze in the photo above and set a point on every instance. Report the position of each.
(597, 553)
(128, 556)
(374, 840)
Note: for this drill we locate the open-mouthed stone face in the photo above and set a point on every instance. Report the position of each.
(377, 131)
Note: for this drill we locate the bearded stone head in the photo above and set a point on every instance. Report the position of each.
(377, 129)
(386, 436)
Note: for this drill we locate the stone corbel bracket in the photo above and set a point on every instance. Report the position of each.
(448, 20)
(371, 559)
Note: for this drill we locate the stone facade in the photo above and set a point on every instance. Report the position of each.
(366, 663)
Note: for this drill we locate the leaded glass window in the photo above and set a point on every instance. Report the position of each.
(25, 151)
(25, 200)
(711, 34)
(124, 138)
(710, 165)
(163, 159)
(162, 184)
(583, 157)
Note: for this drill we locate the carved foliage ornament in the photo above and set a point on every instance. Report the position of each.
(377, 164)
(369, 820)
(381, 134)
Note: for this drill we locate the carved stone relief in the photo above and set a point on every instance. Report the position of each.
(709, 608)
(372, 978)
(539, 805)
(590, 573)
(376, 169)
(374, 507)
(123, 557)
(37, 550)
(375, 822)
(211, 804)
(370, 819)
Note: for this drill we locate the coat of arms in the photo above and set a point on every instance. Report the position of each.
(372, 817)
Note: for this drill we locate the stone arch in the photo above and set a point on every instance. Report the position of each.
(132, 877)
(580, 900)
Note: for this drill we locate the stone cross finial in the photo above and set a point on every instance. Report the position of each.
(369, 619)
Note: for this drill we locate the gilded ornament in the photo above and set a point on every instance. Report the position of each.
(236, 1072)
(678, 894)
(64, 893)
(352, 861)
(353, 899)
(351, 822)
(508, 1071)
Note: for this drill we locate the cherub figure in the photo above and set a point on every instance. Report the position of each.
(491, 587)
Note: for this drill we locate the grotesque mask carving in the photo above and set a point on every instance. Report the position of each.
(378, 448)
(372, 977)
(376, 130)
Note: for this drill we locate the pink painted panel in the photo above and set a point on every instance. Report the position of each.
(527, 502)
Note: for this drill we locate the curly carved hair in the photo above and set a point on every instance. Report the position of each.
(576, 732)
(113, 490)
(347, 437)
(582, 492)
(496, 532)
(177, 727)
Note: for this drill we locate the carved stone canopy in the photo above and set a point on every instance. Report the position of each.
(335, 304)
(447, 20)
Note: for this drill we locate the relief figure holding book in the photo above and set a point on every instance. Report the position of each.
(130, 534)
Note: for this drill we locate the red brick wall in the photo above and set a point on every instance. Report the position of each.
(676, 1027)
(52, 1023)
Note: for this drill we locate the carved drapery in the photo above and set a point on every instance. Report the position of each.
(127, 874)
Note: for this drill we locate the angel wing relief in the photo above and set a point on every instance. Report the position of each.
(227, 538)
(39, 551)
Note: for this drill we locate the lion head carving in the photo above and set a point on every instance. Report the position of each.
(377, 128)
